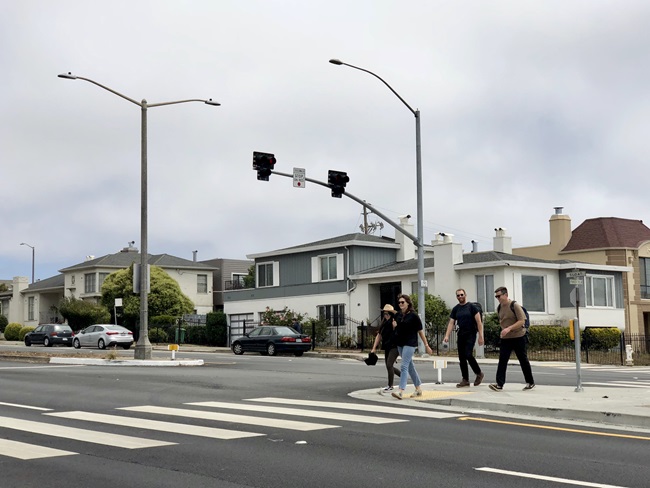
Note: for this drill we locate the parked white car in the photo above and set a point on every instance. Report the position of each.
(103, 336)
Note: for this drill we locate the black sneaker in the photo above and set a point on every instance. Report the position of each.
(529, 386)
(495, 387)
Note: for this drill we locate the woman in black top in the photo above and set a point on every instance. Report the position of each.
(388, 344)
(408, 327)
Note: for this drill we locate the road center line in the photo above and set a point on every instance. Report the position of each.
(563, 429)
(547, 478)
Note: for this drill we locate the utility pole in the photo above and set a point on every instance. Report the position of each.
(369, 228)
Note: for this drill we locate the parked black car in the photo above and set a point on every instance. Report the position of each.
(50, 334)
(272, 340)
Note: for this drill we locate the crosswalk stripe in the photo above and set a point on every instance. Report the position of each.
(30, 407)
(55, 430)
(616, 383)
(21, 450)
(169, 427)
(226, 417)
(321, 414)
(355, 406)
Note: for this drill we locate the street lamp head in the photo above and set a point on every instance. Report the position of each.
(337, 62)
(210, 102)
(67, 76)
(25, 244)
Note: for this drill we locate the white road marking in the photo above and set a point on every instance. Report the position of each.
(169, 427)
(21, 450)
(26, 406)
(548, 478)
(355, 406)
(301, 413)
(52, 366)
(92, 436)
(227, 417)
(618, 383)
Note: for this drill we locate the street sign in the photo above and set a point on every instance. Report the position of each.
(575, 274)
(118, 302)
(299, 177)
(575, 281)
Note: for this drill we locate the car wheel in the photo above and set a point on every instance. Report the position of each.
(237, 348)
(76, 344)
(298, 354)
(101, 344)
(28, 342)
(46, 342)
(270, 349)
(126, 346)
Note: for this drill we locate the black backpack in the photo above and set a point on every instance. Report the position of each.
(512, 307)
(479, 309)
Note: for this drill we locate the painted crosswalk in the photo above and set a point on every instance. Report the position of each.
(265, 414)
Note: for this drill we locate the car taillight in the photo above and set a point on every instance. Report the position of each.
(54, 334)
(130, 333)
(112, 333)
(288, 339)
(306, 339)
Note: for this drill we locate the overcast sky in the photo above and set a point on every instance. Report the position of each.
(525, 106)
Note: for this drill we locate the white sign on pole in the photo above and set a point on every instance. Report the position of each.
(575, 281)
(118, 302)
(575, 274)
(299, 177)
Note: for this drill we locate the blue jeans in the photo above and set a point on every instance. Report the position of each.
(408, 367)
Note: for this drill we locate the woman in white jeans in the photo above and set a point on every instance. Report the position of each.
(407, 328)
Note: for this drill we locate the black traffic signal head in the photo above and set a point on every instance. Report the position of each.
(264, 164)
(337, 181)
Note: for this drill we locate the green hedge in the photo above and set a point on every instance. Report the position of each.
(3, 323)
(12, 330)
(24, 331)
(600, 338)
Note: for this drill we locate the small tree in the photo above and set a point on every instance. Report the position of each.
(249, 279)
(436, 315)
(80, 314)
(283, 317)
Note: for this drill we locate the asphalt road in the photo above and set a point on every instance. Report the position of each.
(343, 442)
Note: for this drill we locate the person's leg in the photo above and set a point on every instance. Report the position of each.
(505, 349)
(412, 371)
(462, 342)
(470, 355)
(391, 357)
(404, 366)
(522, 356)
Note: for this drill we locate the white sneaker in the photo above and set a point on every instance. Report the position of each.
(387, 388)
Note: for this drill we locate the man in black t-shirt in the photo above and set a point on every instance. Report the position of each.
(468, 318)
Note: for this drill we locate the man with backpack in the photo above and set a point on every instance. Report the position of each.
(468, 317)
(513, 320)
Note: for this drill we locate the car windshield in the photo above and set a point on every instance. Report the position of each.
(285, 331)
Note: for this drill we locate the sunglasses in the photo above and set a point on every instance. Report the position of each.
(497, 296)
(461, 295)
(401, 301)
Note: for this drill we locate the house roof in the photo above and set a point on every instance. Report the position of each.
(355, 239)
(54, 282)
(124, 259)
(608, 233)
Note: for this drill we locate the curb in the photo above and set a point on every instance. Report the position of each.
(127, 362)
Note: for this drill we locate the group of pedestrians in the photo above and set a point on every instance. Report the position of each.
(399, 332)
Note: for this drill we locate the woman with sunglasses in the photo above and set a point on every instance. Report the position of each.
(387, 336)
(408, 327)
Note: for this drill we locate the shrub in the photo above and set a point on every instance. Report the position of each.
(23, 331)
(548, 337)
(3, 323)
(599, 338)
(12, 330)
(157, 335)
(318, 330)
(196, 334)
(346, 341)
(166, 320)
(216, 329)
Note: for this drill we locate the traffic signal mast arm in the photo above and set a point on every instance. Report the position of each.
(395, 225)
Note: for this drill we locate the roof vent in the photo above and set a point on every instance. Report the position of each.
(558, 210)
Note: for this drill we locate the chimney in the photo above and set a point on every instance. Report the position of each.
(501, 241)
(194, 253)
(474, 246)
(407, 248)
(560, 230)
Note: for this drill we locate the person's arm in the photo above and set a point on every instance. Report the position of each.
(426, 343)
(450, 325)
(374, 346)
(479, 326)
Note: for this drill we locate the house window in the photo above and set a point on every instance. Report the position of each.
(484, 293)
(201, 283)
(334, 314)
(238, 280)
(533, 293)
(89, 283)
(102, 277)
(599, 291)
(265, 274)
(644, 268)
(30, 308)
(328, 268)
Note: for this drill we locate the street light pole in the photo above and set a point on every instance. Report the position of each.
(143, 346)
(33, 257)
(418, 177)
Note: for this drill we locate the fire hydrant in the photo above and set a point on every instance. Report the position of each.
(628, 352)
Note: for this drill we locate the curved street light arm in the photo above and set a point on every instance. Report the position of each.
(70, 76)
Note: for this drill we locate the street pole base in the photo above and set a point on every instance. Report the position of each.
(142, 350)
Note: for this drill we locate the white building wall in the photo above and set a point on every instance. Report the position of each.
(188, 282)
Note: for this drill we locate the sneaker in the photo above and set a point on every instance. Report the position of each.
(529, 386)
(417, 393)
(387, 388)
(463, 383)
(397, 395)
(479, 378)
(494, 387)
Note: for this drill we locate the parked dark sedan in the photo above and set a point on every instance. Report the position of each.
(271, 340)
(50, 334)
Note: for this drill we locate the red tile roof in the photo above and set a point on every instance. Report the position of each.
(608, 233)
